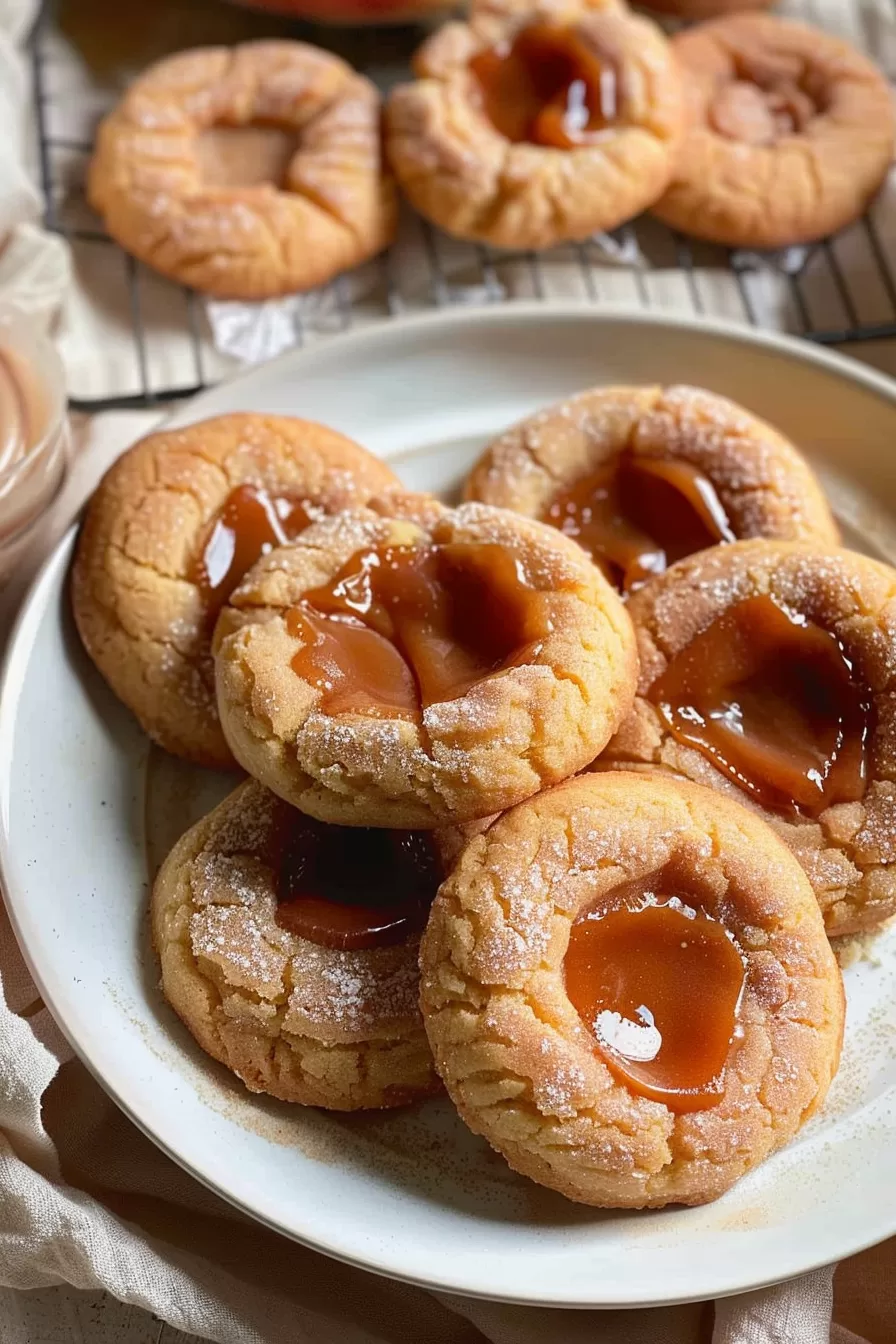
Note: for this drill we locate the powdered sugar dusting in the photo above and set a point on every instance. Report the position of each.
(235, 937)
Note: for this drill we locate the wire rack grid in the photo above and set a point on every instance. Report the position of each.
(841, 291)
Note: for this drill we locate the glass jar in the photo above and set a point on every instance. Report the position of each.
(34, 431)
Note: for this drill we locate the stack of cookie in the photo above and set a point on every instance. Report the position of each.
(602, 751)
(261, 170)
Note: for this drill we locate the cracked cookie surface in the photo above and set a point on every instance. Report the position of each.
(848, 849)
(462, 172)
(764, 486)
(175, 192)
(317, 1025)
(518, 1060)
(788, 133)
(525, 724)
(139, 611)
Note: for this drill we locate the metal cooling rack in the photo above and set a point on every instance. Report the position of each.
(841, 291)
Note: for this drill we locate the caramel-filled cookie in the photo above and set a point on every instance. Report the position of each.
(789, 133)
(641, 476)
(289, 949)
(628, 991)
(246, 171)
(768, 672)
(531, 125)
(391, 671)
(170, 531)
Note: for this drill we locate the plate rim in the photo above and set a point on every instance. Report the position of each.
(511, 311)
(36, 604)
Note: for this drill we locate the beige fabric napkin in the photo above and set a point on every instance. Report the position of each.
(35, 266)
(87, 1200)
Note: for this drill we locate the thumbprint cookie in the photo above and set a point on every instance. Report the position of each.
(628, 991)
(768, 671)
(641, 476)
(789, 133)
(536, 125)
(246, 171)
(383, 672)
(289, 949)
(172, 528)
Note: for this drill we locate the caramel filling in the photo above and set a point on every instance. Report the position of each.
(637, 515)
(546, 87)
(400, 628)
(771, 699)
(350, 887)
(245, 156)
(658, 983)
(250, 523)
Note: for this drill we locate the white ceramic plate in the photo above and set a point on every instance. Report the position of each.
(87, 808)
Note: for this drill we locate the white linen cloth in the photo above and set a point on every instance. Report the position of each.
(35, 266)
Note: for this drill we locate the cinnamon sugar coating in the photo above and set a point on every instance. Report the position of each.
(788, 133)
(765, 486)
(309, 1024)
(518, 1061)
(511, 734)
(336, 206)
(458, 170)
(141, 617)
(848, 852)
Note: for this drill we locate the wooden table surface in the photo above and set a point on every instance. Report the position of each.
(66, 1316)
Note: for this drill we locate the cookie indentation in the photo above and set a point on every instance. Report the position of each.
(400, 628)
(636, 515)
(250, 523)
(770, 697)
(658, 981)
(745, 111)
(245, 156)
(355, 888)
(547, 87)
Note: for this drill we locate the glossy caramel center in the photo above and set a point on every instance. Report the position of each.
(350, 887)
(250, 523)
(771, 698)
(400, 628)
(658, 983)
(637, 515)
(546, 87)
